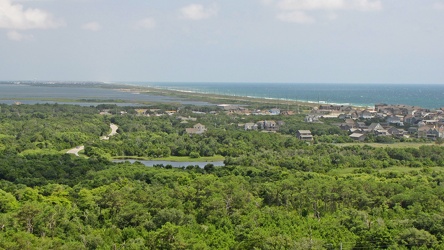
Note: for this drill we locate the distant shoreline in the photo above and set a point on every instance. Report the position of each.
(429, 96)
(357, 96)
(156, 90)
(221, 99)
(227, 99)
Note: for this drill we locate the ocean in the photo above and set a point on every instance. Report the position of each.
(365, 95)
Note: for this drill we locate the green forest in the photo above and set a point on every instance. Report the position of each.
(274, 192)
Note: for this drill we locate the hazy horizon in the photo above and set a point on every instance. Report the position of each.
(206, 82)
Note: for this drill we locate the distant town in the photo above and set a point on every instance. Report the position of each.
(398, 120)
(384, 120)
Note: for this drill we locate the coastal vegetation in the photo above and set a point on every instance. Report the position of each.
(274, 192)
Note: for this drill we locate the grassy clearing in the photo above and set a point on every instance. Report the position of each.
(175, 158)
(82, 154)
(407, 169)
(390, 145)
(342, 171)
(39, 151)
(346, 171)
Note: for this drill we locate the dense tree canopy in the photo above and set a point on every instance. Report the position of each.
(275, 192)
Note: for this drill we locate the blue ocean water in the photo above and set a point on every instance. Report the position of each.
(423, 95)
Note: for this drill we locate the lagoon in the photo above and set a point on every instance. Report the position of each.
(79, 95)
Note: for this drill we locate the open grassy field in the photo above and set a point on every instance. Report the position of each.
(390, 145)
(346, 171)
(40, 151)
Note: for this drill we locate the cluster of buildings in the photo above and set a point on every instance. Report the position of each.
(264, 125)
(394, 120)
(382, 120)
(240, 110)
(154, 112)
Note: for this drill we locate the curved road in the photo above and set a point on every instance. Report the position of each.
(114, 129)
(77, 149)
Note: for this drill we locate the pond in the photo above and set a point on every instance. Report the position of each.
(175, 164)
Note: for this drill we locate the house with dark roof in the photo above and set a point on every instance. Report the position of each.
(423, 130)
(268, 125)
(435, 133)
(393, 119)
(381, 132)
(366, 114)
(397, 132)
(374, 126)
(345, 126)
(361, 125)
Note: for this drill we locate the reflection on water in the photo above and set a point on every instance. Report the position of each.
(175, 164)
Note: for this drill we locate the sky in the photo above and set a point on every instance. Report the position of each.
(295, 41)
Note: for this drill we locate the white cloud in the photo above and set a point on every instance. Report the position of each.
(198, 12)
(16, 17)
(92, 26)
(298, 10)
(147, 23)
(438, 6)
(16, 36)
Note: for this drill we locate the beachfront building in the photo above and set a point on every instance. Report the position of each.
(275, 111)
(394, 119)
(367, 114)
(312, 118)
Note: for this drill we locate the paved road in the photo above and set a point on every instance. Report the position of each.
(114, 129)
(75, 150)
